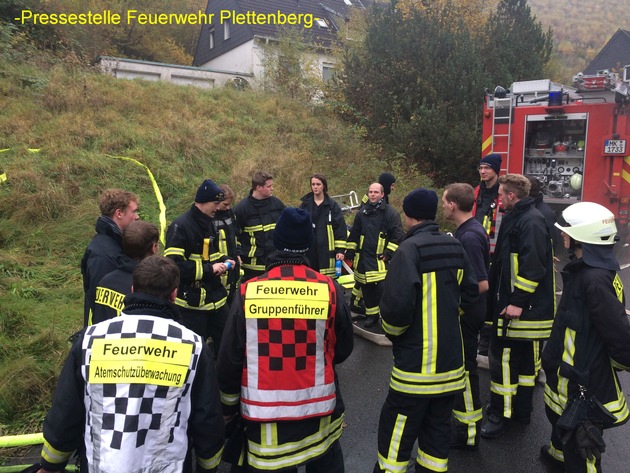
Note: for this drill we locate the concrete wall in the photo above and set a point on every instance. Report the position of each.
(183, 75)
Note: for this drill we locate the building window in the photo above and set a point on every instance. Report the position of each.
(328, 72)
(226, 30)
(211, 39)
(321, 22)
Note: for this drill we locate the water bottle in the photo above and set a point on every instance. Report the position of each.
(228, 265)
(337, 268)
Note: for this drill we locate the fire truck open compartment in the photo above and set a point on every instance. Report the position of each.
(554, 153)
(574, 140)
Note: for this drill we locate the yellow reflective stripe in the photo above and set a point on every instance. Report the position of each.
(210, 463)
(252, 247)
(380, 244)
(351, 245)
(460, 276)
(52, 455)
(555, 453)
(270, 455)
(427, 384)
(568, 354)
(392, 246)
(230, 399)
(471, 415)
(390, 463)
(215, 256)
(618, 286)
(527, 329)
(173, 251)
(513, 270)
(525, 284)
(392, 329)
(3, 177)
(527, 380)
(430, 462)
(429, 323)
(209, 306)
(254, 267)
(259, 228)
(198, 270)
(206, 249)
(341, 244)
(372, 310)
(330, 236)
(487, 224)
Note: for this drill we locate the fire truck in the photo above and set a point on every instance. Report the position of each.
(575, 139)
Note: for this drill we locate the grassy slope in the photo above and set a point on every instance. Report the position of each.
(48, 205)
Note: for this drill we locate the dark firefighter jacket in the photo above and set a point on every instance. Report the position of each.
(142, 409)
(429, 282)
(329, 233)
(521, 274)
(227, 232)
(99, 259)
(256, 221)
(488, 211)
(192, 243)
(590, 340)
(375, 234)
(110, 292)
(261, 354)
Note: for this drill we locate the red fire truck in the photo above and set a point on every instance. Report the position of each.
(575, 140)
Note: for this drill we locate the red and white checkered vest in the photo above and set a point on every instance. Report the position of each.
(290, 330)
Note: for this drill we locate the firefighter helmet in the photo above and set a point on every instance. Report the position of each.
(589, 223)
(576, 181)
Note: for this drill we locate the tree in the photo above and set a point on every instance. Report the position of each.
(417, 88)
(517, 48)
(290, 67)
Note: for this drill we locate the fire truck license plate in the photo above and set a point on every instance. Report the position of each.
(615, 147)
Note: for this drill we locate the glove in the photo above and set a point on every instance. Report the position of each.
(589, 442)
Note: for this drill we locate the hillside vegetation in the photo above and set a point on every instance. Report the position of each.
(580, 29)
(80, 120)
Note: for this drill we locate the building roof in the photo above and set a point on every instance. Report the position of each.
(614, 54)
(334, 13)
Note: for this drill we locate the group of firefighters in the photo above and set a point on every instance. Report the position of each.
(239, 326)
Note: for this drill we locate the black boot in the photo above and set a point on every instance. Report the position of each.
(371, 321)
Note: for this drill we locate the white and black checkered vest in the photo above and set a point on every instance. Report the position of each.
(139, 371)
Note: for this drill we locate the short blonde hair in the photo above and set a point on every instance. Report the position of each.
(516, 183)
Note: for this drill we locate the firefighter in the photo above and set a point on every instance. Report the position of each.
(373, 238)
(227, 230)
(136, 390)
(457, 203)
(329, 227)
(488, 211)
(287, 330)
(192, 243)
(589, 343)
(256, 217)
(139, 240)
(521, 302)
(429, 280)
(118, 209)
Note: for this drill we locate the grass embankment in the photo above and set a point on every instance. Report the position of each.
(80, 119)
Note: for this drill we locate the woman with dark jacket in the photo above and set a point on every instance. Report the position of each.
(329, 227)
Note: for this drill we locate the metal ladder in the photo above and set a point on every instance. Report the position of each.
(502, 103)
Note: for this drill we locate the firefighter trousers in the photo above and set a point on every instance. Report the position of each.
(467, 410)
(405, 419)
(568, 453)
(372, 293)
(514, 365)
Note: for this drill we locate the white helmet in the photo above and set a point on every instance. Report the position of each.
(589, 223)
